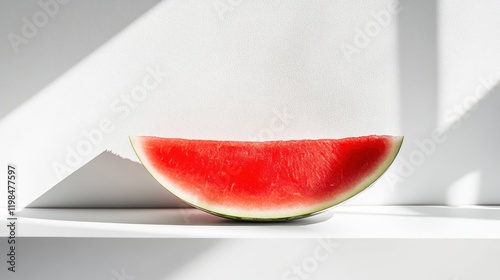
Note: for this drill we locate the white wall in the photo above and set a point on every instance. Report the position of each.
(340, 68)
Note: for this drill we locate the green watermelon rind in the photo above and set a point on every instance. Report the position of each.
(369, 181)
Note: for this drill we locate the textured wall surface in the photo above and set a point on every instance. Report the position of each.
(77, 78)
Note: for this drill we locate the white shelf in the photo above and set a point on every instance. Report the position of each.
(348, 243)
(341, 222)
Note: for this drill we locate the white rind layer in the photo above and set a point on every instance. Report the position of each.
(262, 215)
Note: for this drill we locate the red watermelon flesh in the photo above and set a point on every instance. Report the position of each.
(274, 180)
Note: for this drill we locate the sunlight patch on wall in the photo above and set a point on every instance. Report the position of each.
(469, 60)
(465, 191)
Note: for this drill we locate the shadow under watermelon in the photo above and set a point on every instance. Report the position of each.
(164, 216)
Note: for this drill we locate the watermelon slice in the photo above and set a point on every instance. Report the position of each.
(262, 181)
